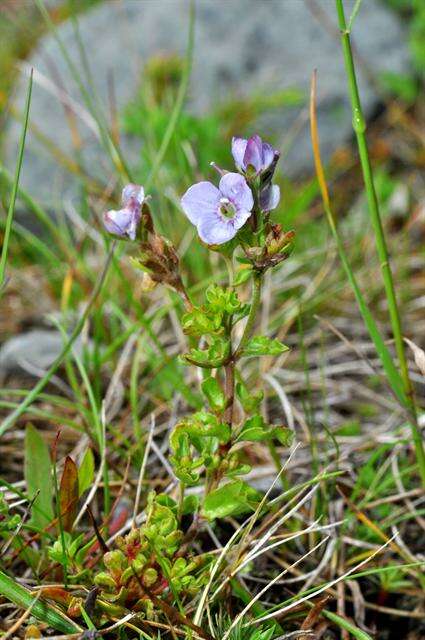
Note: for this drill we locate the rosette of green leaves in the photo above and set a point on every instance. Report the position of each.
(71, 552)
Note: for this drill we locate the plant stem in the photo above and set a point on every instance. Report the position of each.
(359, 126)
(229, 391)
(255, 302)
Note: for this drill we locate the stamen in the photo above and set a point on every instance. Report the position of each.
(227, 208)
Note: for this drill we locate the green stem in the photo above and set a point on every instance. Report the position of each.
(255, 303)
(256, 298)
(359, 126)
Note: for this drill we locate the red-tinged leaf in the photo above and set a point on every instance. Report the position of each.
(58, 595)
(68, 494)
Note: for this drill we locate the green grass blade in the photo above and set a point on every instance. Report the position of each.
(359, 126)
(390, 369)
(43, 611)
(11, 210)
(347, 625)
(33, 394)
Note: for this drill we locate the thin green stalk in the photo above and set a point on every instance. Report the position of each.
(359, 126)
(11, 210)
(255, 302)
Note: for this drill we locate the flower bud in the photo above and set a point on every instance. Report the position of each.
(115, 560)
(150, 576)
(105, 581)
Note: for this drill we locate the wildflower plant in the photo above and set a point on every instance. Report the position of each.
(235, 220)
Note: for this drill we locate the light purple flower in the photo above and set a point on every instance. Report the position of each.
(124, 221)
(253, 153)
(269, 197)
(218, 214)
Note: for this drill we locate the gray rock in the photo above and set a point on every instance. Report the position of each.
(242, 46)
(33, 352)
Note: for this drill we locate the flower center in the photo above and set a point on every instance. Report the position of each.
(227, 208)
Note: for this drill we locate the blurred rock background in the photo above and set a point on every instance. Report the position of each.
(244, 50)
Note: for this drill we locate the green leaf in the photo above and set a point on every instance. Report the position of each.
(214, 393)
(242, 276)
(86, 472)
(38, 477)
(199, 426)
(68, 494)
(264, 346)
(190, 505)
(212, 357)
(250, 401)
(256, 430)
(220, 300)
(234, 498)
(198, 322)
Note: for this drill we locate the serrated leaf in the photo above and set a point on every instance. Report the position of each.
(68, 494)
(38, 477)
(256, 430)
(264, 346)
(211, 357)
(214, 393)
(232, 499)
(86, 472)
(197, 322)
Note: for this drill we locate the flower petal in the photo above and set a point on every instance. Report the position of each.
(270, 197)
(240, 218)
(268, 154)
(132, 192)
(214, 230)
(121, 223)
(253, 155)
(238, 151)
(200, 199)
(234, 187)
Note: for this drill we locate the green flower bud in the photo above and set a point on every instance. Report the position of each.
(115, 560)
(105, 581)
(150, 576)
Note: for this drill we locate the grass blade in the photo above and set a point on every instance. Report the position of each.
(43, 611)
(359, 126)
(11, 209)
(390, 369)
